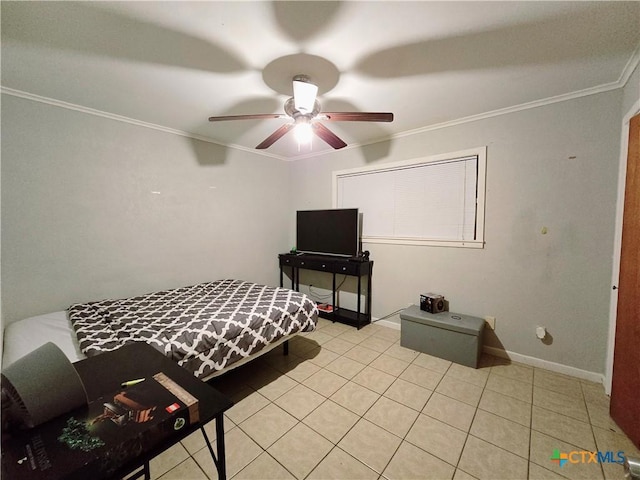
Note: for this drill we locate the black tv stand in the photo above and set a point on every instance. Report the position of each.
(333, 265)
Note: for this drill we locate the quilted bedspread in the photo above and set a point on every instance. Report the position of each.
(204, 328)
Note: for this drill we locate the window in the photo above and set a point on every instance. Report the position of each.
(437, 200)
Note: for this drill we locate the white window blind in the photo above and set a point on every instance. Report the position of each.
(435, 200)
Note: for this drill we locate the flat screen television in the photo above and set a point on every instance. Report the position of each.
(328, 232)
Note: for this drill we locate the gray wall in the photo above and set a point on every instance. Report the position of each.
(80, 221)
(560, 280)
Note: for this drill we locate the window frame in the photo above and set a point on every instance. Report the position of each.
(479, 152)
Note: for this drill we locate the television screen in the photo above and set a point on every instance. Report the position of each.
(332, 232)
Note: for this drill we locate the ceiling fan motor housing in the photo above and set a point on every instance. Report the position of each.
(291, 110)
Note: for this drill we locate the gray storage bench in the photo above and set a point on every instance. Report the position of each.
(447, 335)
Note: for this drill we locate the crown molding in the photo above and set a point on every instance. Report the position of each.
(121, 118)
(515, 108)
(100, 113)
(628, 70)
(482, 116)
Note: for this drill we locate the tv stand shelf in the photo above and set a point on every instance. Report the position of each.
(334, 265)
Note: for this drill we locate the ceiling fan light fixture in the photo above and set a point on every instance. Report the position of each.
(304, 93)
(304, 111)
(303, 133)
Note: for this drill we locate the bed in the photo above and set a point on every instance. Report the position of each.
(206, 328)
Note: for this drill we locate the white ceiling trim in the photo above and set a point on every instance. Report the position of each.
(516, 108)
(482, 116)
(99, 113)
(630, 66)
(120, 118)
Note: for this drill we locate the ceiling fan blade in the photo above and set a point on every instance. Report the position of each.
(255, 116)
(271, 139)
(328, 136)
(358, 116)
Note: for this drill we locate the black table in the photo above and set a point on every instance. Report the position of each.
(357, 267)
(104, 373)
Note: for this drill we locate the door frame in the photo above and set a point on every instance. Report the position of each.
(617, 244)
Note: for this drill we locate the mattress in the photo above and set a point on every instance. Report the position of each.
(288, 313)
(204, 328)
(24, 336)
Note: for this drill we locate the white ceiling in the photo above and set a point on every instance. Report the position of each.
(174, 64)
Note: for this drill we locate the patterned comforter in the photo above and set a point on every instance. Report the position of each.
(204, 328)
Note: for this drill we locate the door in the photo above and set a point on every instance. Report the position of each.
(625, 387)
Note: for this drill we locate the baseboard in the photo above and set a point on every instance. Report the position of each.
(525, 359)
(386, 323)
(547, 365)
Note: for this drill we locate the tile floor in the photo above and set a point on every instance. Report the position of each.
(349, 404)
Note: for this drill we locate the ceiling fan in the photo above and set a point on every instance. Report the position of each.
(304, 109)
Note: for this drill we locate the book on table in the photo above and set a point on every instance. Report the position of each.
(99, 438)
(325, 307)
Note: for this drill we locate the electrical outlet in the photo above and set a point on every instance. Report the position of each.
(491, 322)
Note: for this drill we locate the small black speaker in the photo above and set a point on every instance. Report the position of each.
(432, 303)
